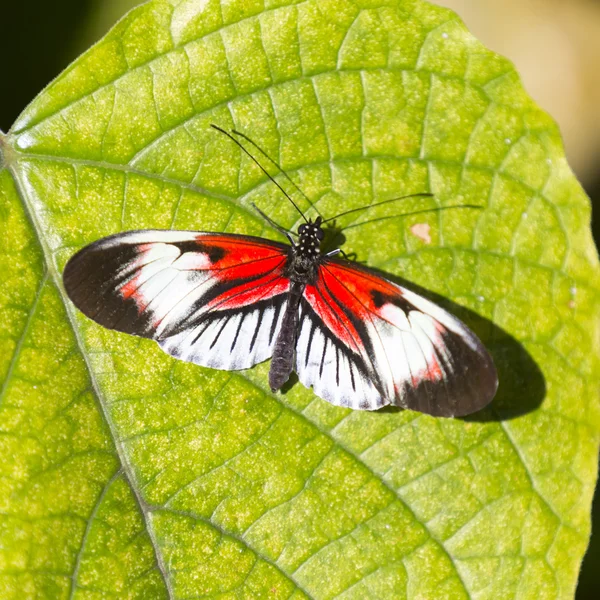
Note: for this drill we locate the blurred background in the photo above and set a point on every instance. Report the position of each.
(554, 44)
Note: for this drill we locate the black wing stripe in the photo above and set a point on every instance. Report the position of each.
(313, 327)
(257, 328)
(204, 326)
(275, 321)
(352, 375)
(325, 340)
(237, 332)
(220, 331)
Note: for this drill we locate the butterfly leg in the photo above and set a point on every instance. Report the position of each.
(284, 351)
(351, 256)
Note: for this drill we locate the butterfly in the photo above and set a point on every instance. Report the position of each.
(230, 301)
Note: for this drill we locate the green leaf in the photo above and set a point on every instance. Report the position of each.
(129, 474)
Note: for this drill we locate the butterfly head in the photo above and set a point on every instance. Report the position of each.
(311, 235)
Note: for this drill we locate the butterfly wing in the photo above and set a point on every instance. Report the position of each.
(366, 342)
(212, 299)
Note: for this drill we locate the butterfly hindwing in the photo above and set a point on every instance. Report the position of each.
(231, 339)
(212, 299)
(401, 348)
(337, 371)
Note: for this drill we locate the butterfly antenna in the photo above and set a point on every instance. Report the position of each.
(278, 166)
(260, 167)
(353, 210)
(277, 226)
(416, 212)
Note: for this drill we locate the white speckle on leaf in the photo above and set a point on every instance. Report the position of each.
(480, 298)
(445, 35)
(25, 140)
(507, 141)
(421, 230)
(185, 12)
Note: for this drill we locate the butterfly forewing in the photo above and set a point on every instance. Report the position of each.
(212, 299)
(396, 347)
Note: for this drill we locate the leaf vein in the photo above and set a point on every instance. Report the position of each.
(88, 528)
(19, 345)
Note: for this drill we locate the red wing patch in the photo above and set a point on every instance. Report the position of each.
(206, 298)
(415, 353)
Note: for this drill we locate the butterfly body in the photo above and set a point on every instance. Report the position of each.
(229, 301)
(301, 269)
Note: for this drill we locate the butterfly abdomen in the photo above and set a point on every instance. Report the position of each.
(284, 351)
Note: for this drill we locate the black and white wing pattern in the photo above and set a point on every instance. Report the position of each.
(365, 342)
(337, 368)
(213, 299)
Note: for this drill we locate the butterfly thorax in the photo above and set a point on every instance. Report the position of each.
(305, 254)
